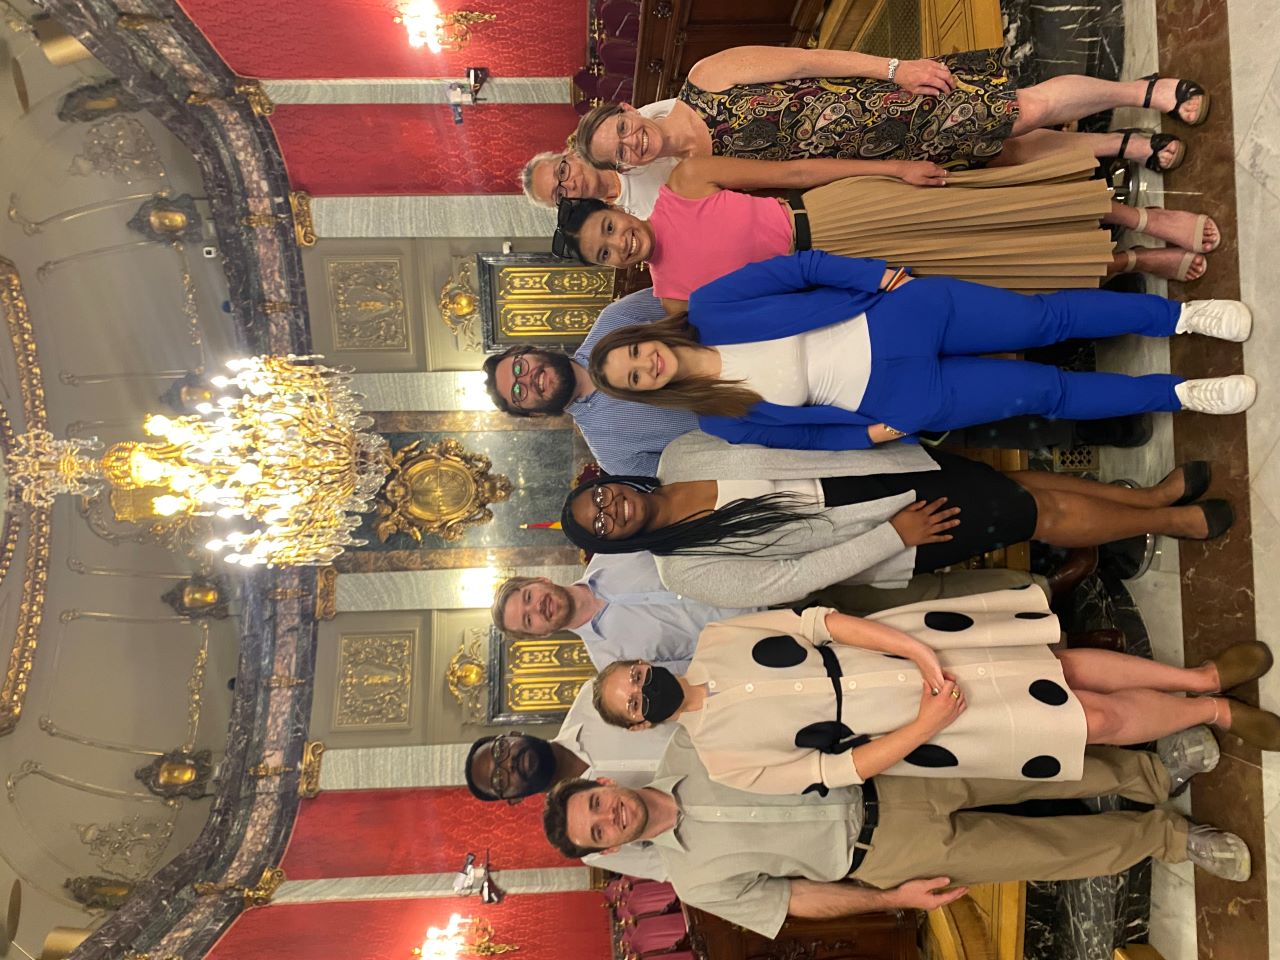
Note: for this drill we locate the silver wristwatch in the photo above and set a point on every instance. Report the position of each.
(893, 68)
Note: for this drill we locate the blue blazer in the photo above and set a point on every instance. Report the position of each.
(779, 298)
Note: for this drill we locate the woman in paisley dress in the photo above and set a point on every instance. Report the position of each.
(961, 110)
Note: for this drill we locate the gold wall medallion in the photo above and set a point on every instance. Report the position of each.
(369, 308)
(375, 680)
(440, 490)
(468, 675)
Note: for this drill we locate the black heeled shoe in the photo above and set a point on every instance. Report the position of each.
(1158, 141)
(1185, 90)
(1218, 516)
(1196, 477)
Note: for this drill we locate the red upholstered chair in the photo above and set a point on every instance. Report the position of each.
(618, 56)
(647, 898)
(619, 19)
(655, 934)
(616, 88)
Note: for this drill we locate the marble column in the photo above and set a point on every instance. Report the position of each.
(416, 886)
(460, 589)
(463, 390)
(380, 768)
(490, 215)
(415, 90)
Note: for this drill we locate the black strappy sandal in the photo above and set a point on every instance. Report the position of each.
(1158, 142)
(1185, 90)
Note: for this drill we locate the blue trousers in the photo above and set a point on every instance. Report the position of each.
(925, 375)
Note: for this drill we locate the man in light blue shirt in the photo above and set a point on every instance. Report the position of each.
(625, 437)
(620, 609)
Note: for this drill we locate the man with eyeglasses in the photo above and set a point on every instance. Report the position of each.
(515, 765)
(625, 437)
(549, 176)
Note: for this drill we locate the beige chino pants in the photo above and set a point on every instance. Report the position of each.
(926, 828)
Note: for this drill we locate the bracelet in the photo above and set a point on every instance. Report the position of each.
(893, 431)
(893, 68)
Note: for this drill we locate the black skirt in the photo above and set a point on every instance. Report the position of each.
(994, 510)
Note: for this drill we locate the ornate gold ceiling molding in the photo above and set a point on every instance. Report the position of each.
(31, 608)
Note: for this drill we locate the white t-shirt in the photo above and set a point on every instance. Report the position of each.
(639, 190)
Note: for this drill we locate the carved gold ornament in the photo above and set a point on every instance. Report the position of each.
(255, 896)
(468, 675)
(256, 97)
(303, 226)
(309, 777)
(370, 311)
(459, 308)
(440, 489)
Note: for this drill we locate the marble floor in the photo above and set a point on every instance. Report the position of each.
(1197, 600)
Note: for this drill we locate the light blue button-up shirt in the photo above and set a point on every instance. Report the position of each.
(626, 437)
(642, 619)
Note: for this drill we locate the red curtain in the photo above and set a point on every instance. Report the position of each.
(361, 150)
(544, 926)
(304, 39)
(369, 833)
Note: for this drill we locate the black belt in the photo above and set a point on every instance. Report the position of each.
(870, 820)
(804, 239)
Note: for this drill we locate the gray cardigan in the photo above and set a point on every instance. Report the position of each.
(854, 543)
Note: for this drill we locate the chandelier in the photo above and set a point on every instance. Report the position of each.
(428, 27)
(285, 461)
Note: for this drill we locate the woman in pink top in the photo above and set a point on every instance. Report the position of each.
(1029, 227)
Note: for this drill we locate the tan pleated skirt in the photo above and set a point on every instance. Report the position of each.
(1030, 227)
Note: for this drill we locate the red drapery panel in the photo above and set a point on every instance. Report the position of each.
(544, 926)
(369, 833)
(305, 39)
(364, 150)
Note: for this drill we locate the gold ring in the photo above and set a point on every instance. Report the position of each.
(956, 694)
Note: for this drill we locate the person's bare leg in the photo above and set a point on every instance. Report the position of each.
(1139, 716)
(1161, 495)
(1073, 96)
(1066, 519)
(1034, 144)
(1104, 671)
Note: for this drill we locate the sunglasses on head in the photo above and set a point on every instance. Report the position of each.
(563, 245)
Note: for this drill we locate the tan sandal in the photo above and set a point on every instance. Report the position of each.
(1184, 265)
(1197, 233)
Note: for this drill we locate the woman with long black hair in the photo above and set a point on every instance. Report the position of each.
(739, 525)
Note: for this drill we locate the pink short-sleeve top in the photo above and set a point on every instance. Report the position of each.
(697, 241)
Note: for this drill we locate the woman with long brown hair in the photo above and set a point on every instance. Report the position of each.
(822, 352)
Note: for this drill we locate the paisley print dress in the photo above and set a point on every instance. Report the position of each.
(863, 119)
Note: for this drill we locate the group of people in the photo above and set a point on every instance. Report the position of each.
(800, 709)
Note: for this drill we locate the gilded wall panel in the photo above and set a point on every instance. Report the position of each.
(536, 680)
(369, 309)
(375, 680)
(528, 298)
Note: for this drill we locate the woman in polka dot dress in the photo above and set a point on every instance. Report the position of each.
(959, 687)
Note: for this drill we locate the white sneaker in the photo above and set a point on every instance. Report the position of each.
(1220, 395)
(1219, 853)
(1223, 319)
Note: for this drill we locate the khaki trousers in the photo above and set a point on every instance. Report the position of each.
(926, 828)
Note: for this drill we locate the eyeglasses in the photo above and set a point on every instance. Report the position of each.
(500, 753)
(519, 367)
(602, 525)
(563, 171)
(640, 701)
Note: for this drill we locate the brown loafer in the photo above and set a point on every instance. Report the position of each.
(1261, 728)
(1241, 662)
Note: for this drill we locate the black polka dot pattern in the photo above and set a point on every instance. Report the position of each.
(829, 736)
(931, 755)
(1041, 768)
(779, 651)
(1048, 692)
(1032, 615)
(946, 622)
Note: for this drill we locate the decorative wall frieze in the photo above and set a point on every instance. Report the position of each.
(375, 680)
